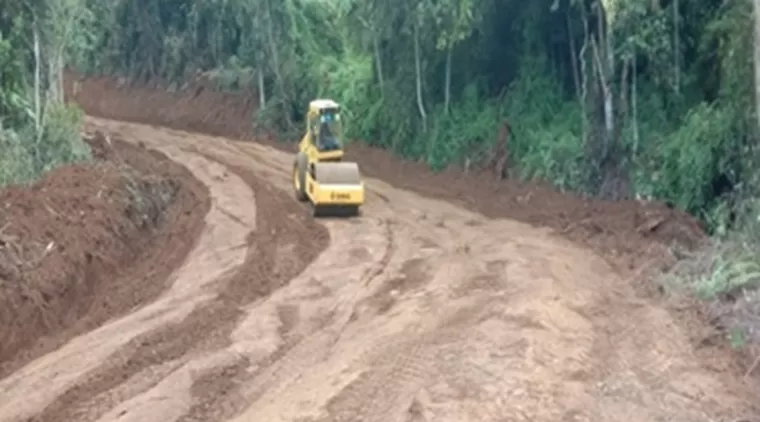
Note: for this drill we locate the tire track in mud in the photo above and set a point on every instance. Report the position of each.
(217, 393)
(438, 350)
(403, 367)
(406, 361)
(294, 358)
(285, 366)
(208, 327)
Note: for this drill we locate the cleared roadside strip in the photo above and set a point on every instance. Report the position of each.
(221, 248)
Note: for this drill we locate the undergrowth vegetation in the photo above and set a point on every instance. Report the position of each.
(725, 274)
(38, 132)
(613, 99)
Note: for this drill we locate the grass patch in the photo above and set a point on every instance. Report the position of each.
(724, 276)
(28, 152)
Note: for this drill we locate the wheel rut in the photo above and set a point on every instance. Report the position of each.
(213, 390)
(41, 383)
(419, 310)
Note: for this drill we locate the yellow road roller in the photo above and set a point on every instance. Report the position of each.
(333, 187)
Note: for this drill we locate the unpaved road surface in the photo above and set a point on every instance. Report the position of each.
(417, 311)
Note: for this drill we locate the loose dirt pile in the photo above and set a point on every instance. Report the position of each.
(231, 114)
(73, 245)
(632, 234)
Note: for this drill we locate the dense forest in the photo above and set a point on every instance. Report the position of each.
(609, 98)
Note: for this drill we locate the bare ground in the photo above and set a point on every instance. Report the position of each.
(90, 242)
(432, 306)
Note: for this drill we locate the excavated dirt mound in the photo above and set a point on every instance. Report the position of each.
(73, 245)
(231, 114)
(633, 235)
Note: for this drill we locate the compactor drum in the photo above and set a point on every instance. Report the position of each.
(320, 176)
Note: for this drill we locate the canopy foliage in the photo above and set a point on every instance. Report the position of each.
(606, 97)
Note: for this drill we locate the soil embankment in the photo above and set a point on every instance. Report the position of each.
(91, 242)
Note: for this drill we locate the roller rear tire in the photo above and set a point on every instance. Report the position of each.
(299, 177)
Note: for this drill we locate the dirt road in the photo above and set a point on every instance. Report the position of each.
(418, 311)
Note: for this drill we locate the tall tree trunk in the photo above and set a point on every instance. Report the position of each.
(276, 67)
(582, 59)
(378, 63)
(39, 115)
(677, 46)
(635, 105)
(37, 82)
(609, 97)
(573, 57)
(418, 78)
(61, 88)
(52, 85)
(604, 57)
(609, 107)
(609, 175)
(623, 107)
(447, 82)
(756, 4)
(262, 88)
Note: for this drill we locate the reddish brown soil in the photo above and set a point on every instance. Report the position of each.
(632, 234)
(230, 116)
(629, 233)
(73, 245)
(209, 327)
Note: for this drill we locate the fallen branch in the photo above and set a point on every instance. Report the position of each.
(18, 254)
(752, 367)
(14, 250)
(651, 225)
(581, 224)
(42, 255)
